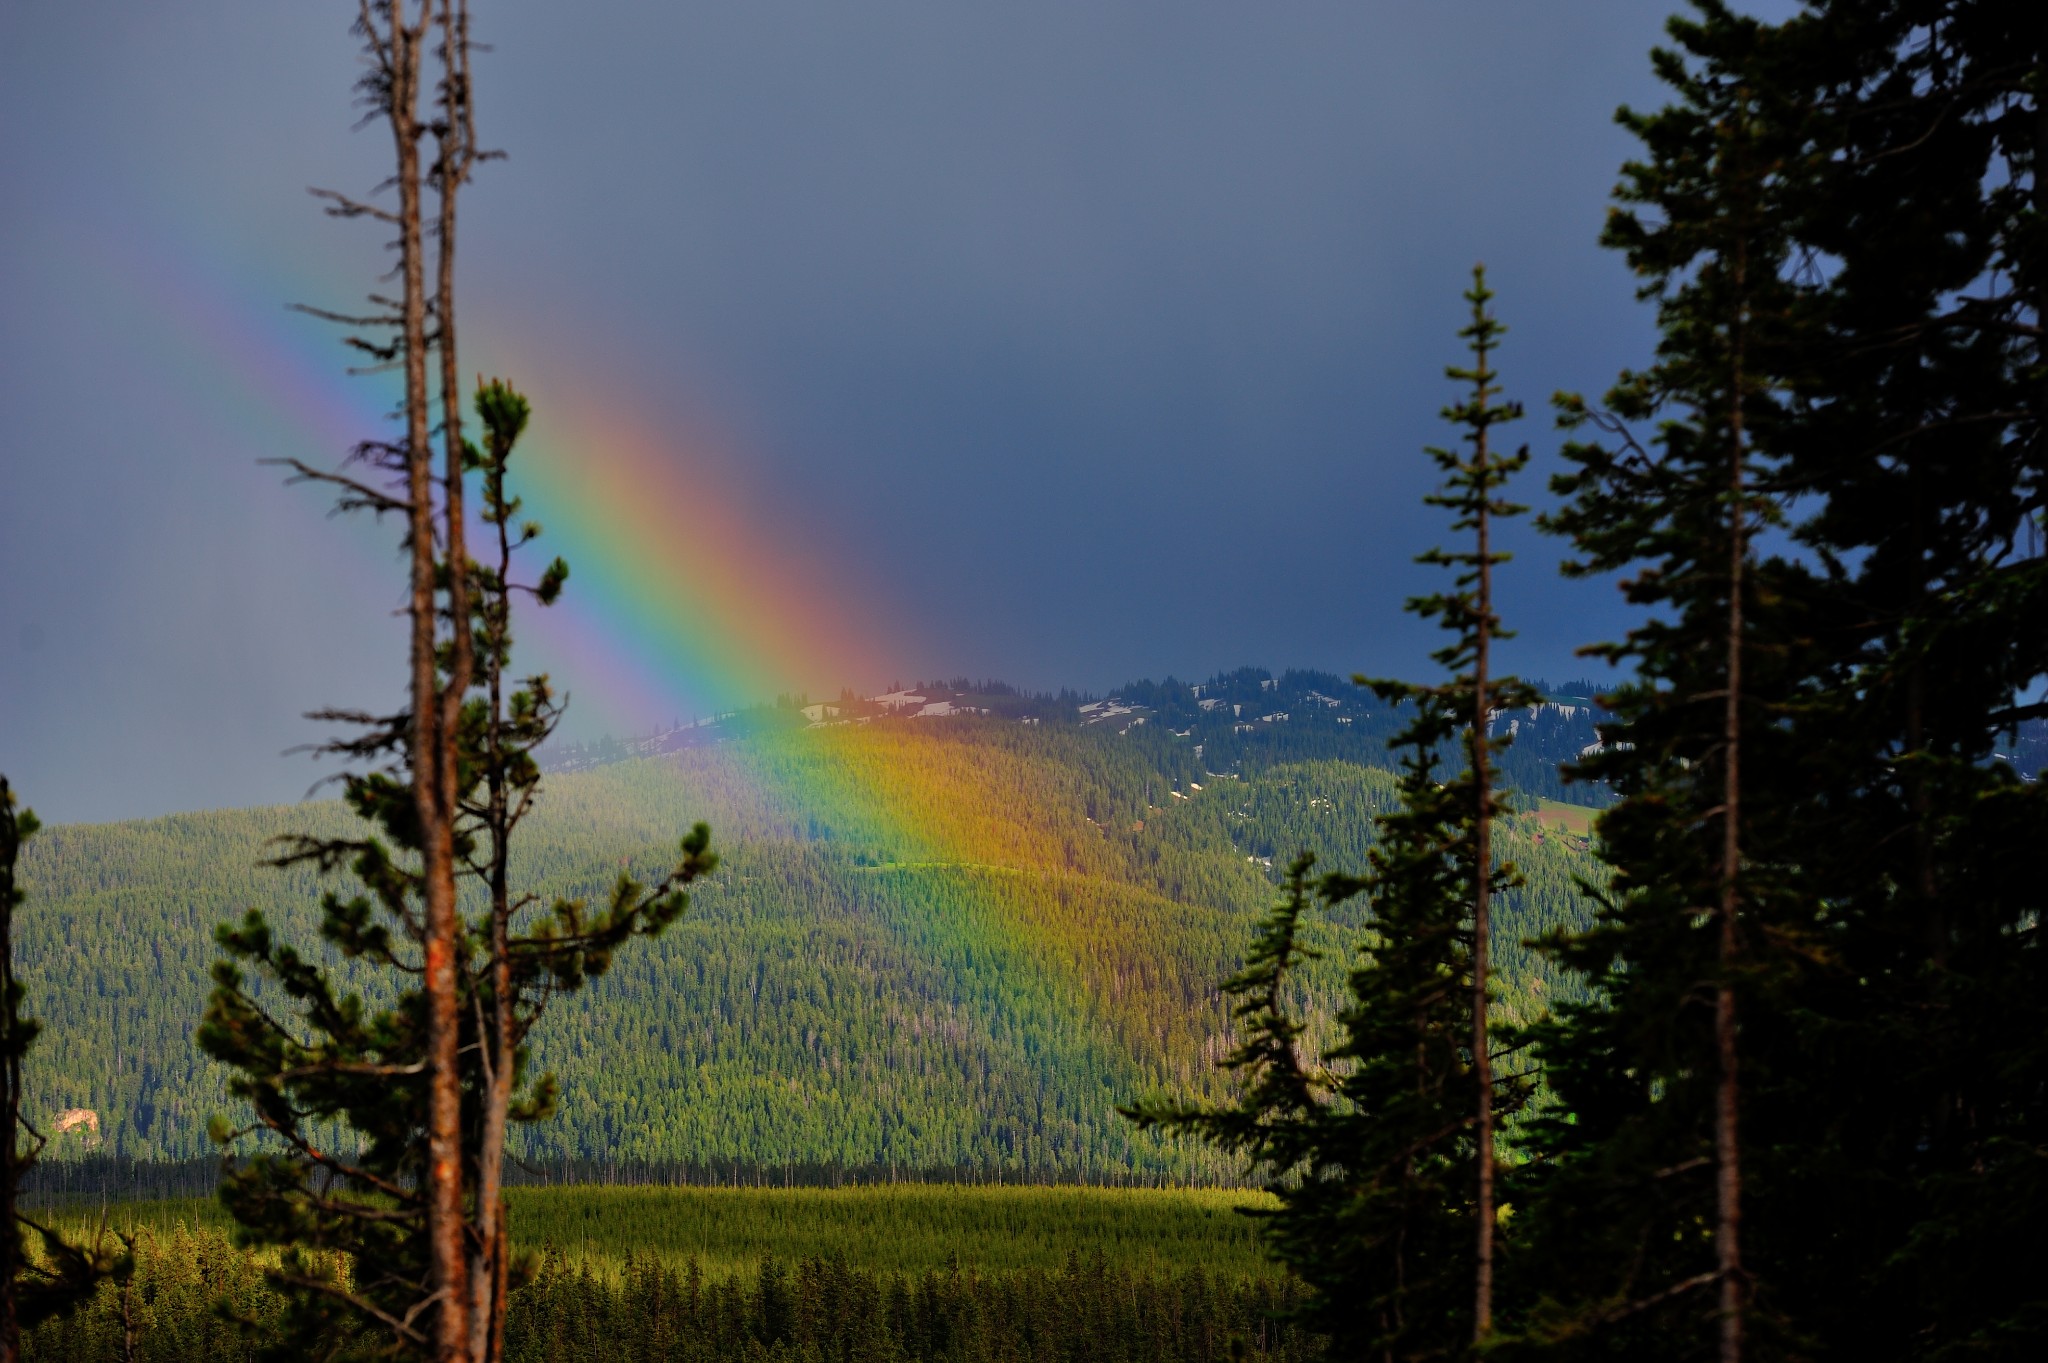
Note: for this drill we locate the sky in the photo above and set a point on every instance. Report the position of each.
(1065, 342)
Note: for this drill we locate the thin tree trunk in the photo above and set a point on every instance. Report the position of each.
(487, 1323)
(1482, 884)
(431, 764)
(1727, 1146)
(501, 1262)
(456, 148)
(489, 1264)
(489, 1261)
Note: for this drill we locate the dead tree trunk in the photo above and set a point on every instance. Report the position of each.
(432, 737)
(455, 152)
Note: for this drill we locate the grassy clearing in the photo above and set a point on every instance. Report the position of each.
(898, 1228)
(1576, 820)
(161, 1216)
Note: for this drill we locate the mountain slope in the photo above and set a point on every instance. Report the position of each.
(940, 941)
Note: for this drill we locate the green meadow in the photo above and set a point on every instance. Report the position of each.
(1576, 820)
(899, 1228)
(885, 1228)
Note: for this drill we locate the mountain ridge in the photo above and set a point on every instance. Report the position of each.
(1228, 719)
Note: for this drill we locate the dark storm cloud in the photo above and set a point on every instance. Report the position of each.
(1102, 336)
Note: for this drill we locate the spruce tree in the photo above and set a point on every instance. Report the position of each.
(1455, 819)
(1382, 1156)
(1916, 443)
(1637, 1201)
(1892, 979)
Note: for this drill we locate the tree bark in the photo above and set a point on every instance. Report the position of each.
(432, 736)
(456, 149)
(1727, 1091)
(490, 1263)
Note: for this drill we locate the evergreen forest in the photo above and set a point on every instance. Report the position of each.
(935, 945)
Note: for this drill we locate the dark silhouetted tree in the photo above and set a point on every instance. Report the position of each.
(1643, 1156)
(1844, 229)
(1909, 1075)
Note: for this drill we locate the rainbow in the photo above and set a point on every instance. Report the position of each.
(684, 597)
(681, 596)
(679, 592)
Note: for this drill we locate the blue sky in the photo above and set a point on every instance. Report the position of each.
(1095, 339)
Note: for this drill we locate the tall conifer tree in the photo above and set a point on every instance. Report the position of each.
(1916, 444)
(1462, 813)
(1382, 1157)
(386, 1121)
(1893, 986)
(1641, 1181)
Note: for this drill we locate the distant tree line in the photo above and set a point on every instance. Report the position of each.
(68, 1185)
(1192, 731)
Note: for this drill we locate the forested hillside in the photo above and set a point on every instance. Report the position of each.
(954, 941)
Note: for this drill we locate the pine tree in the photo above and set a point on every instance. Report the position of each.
(340, 1092)
(501, 733)
(386, 1120)
(1638, 1198)
(1472, 491)
(1919, 441)
(1382, 1157)
(510, 968)
(1890, 969)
